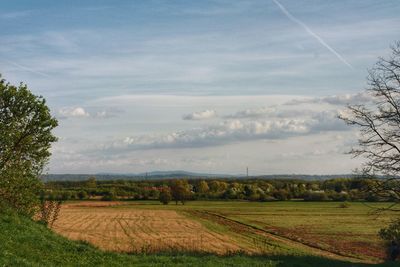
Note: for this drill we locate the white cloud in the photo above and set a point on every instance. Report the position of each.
(75, 112)
(92, 112)
(231, 131)
(201, 115)
(253, 113)
(105, 114)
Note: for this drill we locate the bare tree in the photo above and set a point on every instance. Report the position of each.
(379, 124)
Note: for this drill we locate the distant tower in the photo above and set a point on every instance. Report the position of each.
(247, 172)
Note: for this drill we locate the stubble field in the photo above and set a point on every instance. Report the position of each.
(274, 228)
(127, 229)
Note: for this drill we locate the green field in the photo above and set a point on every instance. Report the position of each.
(282, 233)
(348, 231)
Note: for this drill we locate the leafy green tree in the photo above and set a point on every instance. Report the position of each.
(66, 195)
(165, 196)
(180, 191)
(83, 195)
(214, 186)
(231, 193)
(249, 190)
(25, 138)
(91, 182)
(109, 195)
(202, 187)
(281, 194)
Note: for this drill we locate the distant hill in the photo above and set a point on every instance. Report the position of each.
(160, 175)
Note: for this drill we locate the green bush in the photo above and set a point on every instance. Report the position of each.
(315, 196)
(82, 195)
(165, 196)
(392, 232)
(281, 195)
(109, 196)
(344, 205)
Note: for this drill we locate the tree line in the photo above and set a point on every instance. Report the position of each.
(182, 190)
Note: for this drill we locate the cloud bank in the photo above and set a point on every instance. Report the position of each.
(252, 113)
(231, 131)
(338, 100)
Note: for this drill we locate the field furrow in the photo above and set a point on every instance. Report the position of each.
(131, 230)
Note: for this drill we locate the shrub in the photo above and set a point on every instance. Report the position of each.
(82, 195)
(281, 194)
(49, 211)
(344, 205)
(165, 196)
(339, 196)
(315, 196)
(391, 233)
(371, 197)
(109, 196)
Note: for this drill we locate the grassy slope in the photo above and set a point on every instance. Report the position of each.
(26, 243)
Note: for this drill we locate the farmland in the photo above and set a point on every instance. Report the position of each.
(290, 228)
(140, 230)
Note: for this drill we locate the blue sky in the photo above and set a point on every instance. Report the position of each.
(210, 86)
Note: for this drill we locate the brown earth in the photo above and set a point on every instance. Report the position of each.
(347, 243)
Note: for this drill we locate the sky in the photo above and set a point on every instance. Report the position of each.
(202, 86)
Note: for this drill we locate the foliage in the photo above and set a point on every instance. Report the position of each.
(392, 232)
(202, 187)
(91, 182)
(109, 196)
(49, 211)
(344, 205)
(315, 196)
(281, 194)
(351, 189)
(82, 195)
(25, 138)
(180, 191)
(19, 189)
(165, 196)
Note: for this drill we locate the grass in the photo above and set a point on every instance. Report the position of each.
(27, 243)
(351, 231)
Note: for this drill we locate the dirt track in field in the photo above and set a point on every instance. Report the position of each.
(138, 230)
(238, 226)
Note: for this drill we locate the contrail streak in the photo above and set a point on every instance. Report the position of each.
(27, 69)
(313, 34)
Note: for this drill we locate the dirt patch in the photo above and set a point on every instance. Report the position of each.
(135, 230)
(343, 245)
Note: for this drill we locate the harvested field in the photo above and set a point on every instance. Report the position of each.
(93, 204)
(272, 228)
(135, 230)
